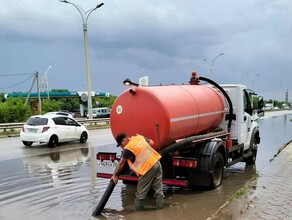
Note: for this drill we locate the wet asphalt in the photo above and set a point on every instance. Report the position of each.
(268, 195)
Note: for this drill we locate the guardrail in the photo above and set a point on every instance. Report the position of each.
(12, 126)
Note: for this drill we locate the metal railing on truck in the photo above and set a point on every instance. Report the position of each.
(18, 125)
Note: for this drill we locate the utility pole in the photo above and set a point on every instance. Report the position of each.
(28, 94)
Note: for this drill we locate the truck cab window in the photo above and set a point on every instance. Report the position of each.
(247, 103)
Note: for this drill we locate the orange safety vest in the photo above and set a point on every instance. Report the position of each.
(145, 155)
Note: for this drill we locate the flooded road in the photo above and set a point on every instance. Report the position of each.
(275, 132)
(40, 183)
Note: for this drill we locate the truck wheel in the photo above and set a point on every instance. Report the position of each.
(253, 149)
(53, 141)
(217, 171)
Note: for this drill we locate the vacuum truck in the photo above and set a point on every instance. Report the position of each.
(199, 128)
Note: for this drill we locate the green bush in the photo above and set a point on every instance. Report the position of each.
(14, 110)
(50, 105)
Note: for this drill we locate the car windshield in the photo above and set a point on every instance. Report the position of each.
(37, 121)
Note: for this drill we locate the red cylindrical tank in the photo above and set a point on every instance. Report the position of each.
(167, 113)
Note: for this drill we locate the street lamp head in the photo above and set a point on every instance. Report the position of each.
(65, 1)
(99, 5)
(128, 82)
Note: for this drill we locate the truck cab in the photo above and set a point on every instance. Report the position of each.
(244, 124)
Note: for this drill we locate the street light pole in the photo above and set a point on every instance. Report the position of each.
(39, 92)
(212, 64)
(84, 21)
(274, 84)
(253, 79)
(47, 81)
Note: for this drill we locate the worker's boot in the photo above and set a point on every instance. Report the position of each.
(159, 202)
(139, 204)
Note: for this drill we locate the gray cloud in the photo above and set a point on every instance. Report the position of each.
(166, 40)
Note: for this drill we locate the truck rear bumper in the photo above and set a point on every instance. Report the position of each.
(170, 182)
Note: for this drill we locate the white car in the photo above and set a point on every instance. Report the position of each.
(52, 129)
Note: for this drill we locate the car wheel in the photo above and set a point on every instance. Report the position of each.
(53, 141)
(83, 137)
(27, 143)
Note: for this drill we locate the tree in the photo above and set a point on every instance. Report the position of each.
(50, 105)
(69, 104)
(104, 101)
(2, 97)
(14, 110)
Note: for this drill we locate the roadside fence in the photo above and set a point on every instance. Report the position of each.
(18, 125)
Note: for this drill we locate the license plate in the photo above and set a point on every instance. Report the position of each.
(32, 130)
(106, 163)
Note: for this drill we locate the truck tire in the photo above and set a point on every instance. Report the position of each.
(253, 150)
(217, 171)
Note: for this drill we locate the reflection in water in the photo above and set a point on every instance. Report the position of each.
(275, 132)
(285, 120)
(56, 166)
(42, 182)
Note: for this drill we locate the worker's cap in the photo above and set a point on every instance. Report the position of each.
(119, 138)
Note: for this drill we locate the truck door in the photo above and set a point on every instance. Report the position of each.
(247, 120)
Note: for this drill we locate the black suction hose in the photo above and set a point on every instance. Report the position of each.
(230, 116)
(189, 140)
(104, 198)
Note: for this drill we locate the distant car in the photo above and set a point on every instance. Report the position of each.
(52, 129)
(103, 112)
(76, 113)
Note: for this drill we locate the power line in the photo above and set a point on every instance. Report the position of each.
(18, 83)
(17, 74)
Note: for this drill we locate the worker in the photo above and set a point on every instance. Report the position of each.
(144, 161)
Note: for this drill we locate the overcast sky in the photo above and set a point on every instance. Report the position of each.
(165, 40)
